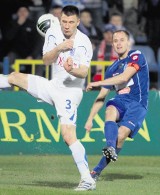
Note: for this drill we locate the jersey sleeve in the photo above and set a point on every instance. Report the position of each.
(136, 60)
(50, 42)
(86, 52)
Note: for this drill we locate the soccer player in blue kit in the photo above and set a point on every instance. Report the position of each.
(129, 76)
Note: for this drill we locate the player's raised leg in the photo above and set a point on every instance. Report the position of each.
(4, 81)
(15, 78)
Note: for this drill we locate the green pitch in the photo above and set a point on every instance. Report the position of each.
(58, 175)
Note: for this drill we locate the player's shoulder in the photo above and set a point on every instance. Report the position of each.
(134, 52)
(53, 32)
(82, 37)
(49, 31)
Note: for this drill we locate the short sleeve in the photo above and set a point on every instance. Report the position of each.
(52, 39)
(136, 60)
(86, 52)
(50, 42)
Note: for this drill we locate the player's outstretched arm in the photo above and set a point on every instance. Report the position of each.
(97, 105)
(116, 80)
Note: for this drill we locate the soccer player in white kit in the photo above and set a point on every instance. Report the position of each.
(70, 52)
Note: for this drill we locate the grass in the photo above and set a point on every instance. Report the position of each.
(58, 175)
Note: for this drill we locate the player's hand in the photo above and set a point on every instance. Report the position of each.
(68, 65)
(88, 125)
(91, 85)
(66, 45)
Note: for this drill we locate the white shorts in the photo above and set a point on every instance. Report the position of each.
(66, 100)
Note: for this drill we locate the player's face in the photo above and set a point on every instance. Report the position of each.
(121, 44)
(69, 25)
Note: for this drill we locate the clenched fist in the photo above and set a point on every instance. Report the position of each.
(68, 65)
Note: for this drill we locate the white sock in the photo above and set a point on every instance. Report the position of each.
(4, 81)
(79, 156)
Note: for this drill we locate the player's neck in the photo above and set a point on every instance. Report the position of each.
(123, 55)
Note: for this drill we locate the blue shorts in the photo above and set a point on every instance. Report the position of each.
(131, 112)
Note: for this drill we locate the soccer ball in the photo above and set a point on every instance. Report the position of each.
(45, 22)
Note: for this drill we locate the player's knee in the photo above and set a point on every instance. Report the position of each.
(12, 77)
(68, 133)
(67, 138)
(65, 135)
(109, 110)
(111, 113)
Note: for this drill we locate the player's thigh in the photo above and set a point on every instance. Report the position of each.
(133, 117)
(66, 103)
(40, 88)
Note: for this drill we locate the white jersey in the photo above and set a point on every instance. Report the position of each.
(81, 54)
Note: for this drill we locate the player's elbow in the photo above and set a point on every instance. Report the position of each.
(84, 72)
(84, 75)
(46, 61)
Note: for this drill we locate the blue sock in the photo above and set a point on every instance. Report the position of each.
(104, 162)
(111, 133)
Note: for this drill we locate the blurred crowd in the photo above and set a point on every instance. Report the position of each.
(99, 19)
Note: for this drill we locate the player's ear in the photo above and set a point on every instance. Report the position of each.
(78, 22)
(112, 44)
(129, 44)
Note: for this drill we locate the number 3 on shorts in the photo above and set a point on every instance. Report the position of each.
(68, 104)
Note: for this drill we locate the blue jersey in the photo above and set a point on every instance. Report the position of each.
(137, 87)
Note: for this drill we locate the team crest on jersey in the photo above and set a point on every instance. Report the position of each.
(72, 51)
(135, 57)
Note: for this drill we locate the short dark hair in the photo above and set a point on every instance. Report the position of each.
(125, 32)
(70, 10)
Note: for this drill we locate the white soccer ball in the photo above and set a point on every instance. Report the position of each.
(45, 22)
